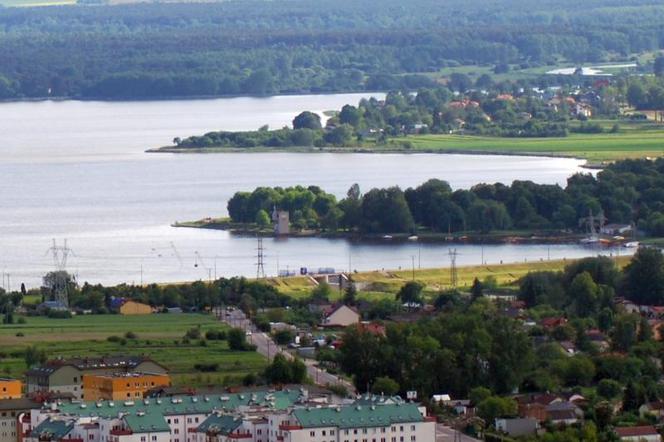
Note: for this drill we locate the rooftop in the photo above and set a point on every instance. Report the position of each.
(52, 429)
(354, 416)
(222, 424)
(179, 405)
(644, 430)
(18, 404)
(89, 363)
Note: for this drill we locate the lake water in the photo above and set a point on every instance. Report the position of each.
(77, 171)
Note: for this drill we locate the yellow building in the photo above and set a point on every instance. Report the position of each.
(122, 386)
(135, 308)
(10, 388)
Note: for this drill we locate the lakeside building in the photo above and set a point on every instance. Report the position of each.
(10, 388)
(259, 416)
(122, 386)
(66, 375)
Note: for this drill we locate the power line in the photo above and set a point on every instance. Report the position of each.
(453, 267)
(60, 278)
(260, 259)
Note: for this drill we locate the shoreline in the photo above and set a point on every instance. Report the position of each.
(550, 237)
(179, 97)
(591, 165)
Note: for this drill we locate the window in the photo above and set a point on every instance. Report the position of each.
(168, 420)
(154, 438)
(324, 433)
(382, 430)
(346, 431)
(142, 438)
(177, 431)
(331, 432)
(188, 420)
(364, 431)
(412, 428)
(177, 421)
(312, 433)
(412, 438)
(401, 428)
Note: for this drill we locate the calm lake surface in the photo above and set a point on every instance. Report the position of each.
(77, 170)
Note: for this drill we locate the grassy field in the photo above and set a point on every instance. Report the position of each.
(633, 141)
(381, 284)
(158, 336)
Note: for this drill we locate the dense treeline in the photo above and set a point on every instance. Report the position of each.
(431, 110)
(625, 192)
(258, 47)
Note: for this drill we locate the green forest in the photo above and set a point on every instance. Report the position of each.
(626, 192)
(256, 47)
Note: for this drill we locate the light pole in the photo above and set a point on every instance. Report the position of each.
(412, 258)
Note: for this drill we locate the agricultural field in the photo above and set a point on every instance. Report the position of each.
(158, 336)
(634, 140)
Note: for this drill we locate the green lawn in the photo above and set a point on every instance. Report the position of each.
(159, 336)
(630, 142)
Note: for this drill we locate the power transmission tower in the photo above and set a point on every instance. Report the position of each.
(60, 280)
(453, 268)
(260, 259)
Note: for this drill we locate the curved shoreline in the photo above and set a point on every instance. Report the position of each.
(368, 150)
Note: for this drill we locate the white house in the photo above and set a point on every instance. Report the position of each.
(341, 316)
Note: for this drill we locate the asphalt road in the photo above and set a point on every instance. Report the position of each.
(446, 434)
(267, 347)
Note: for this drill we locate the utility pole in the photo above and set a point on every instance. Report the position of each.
(412, 258)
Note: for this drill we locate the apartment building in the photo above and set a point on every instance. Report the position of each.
(122, 386)
(66, 375)
(263, 416)
(10, 415)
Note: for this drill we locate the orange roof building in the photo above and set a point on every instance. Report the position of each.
(122, 386)
(10, 388)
